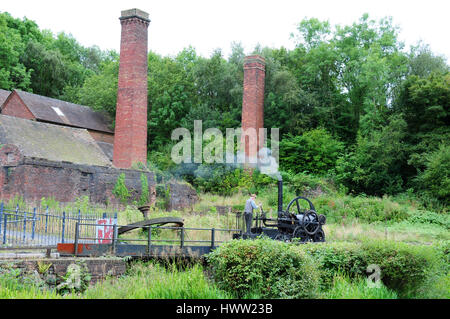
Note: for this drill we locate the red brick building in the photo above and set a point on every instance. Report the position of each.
(52, 148)
(48, 110)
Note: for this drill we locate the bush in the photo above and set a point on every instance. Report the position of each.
(120, 190)
(374, 167)
(366, 209)
(427, 217)
(264, 267)
(314, 152)
(435, 179)
(305, 184)
(404, 267)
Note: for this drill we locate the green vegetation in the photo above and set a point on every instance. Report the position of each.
(267, 268)
(363, 133)
(350, 101)
(120, 190)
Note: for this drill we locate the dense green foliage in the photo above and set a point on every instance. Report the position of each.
(315, 152)
(349, 100)
(269, 268)
(276, 269)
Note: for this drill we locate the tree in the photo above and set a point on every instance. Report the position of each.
(13, 73)
(374, 165)
(435, 179)
(314, 152)
(423, 62)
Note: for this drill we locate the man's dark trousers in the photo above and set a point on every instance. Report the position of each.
(248, 221)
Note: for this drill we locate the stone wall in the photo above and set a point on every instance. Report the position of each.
(34, 178)
(99, 268)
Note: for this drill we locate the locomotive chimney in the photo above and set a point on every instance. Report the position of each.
(280, 195)
(253, 104)
(130, 136)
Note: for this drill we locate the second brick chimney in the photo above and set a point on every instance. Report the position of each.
(253, 103)
(130, 136)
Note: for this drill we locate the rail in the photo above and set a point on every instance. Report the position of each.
(181, 241)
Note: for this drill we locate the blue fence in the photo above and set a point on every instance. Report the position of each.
(41, 227)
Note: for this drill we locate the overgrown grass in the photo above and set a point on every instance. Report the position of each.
(344, 287)
(142, 281)
(154, 281)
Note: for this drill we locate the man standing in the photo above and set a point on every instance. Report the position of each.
(250, 205)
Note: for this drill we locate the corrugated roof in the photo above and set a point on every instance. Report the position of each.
(3, 95)
(57, 111)
(51, 142)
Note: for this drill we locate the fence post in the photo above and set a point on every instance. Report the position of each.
(63, 227)
(213, 235)
(75, 248)
(1, 216)
(182, 237)
(24, 225)
(114, 239)
(46, 219)
(5, 221)
(149, 242)
(34, 223)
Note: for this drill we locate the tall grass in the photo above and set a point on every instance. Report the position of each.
(154, 281)
(346, 288)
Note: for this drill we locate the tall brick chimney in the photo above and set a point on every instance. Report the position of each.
(253, 103)
(130, 136)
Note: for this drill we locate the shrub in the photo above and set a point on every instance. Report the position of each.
(404, 267)
(76, 279)
(365, 208)
(315, 151)
(263, 267)
(120, 190)
(305, 184)
(374, 167)
(435, 179)
(145, 194)
(426, 217)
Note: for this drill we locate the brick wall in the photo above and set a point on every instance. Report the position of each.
(102, 136)
(34, 178)
(14, 106)
(253, 102)
(130, 141)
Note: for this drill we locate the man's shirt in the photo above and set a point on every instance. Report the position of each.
(250, 205)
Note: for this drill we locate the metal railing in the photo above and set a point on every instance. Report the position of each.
(180, 240)
(35, 228)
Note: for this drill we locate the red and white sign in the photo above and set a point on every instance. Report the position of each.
(105, 230)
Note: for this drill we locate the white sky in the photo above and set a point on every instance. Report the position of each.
(211, 24)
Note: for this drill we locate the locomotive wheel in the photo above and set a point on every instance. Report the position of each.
(322, 219)
(298, 207)
(301, 235)
(283, 237)
(319, 236)
(308, 226)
